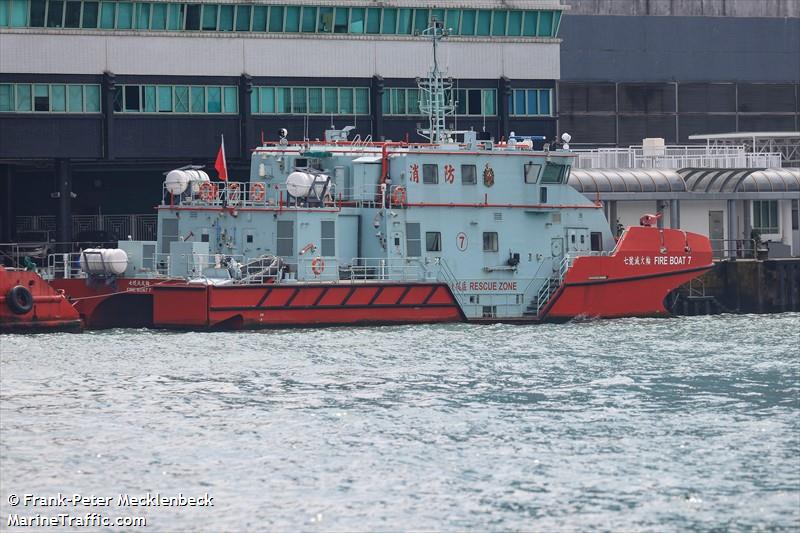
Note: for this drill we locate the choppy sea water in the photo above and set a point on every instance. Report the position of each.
(635, 424)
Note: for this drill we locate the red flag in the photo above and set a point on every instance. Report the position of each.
(219, 164)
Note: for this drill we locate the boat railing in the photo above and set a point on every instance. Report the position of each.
(240, 194)
(386, 269)
(64, 266)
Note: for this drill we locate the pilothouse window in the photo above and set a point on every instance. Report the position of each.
(555, 173)
(532, 172)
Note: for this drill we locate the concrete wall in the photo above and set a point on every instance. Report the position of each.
(695, 8)
(630, 48)
(36, 51)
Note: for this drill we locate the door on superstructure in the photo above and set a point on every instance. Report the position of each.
(578, 240)
(716, 233)
(348, 239)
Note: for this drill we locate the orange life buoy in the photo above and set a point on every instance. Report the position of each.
(257, 192)
(208, 191)
(318, 266)
(399, 195)
(234, 193)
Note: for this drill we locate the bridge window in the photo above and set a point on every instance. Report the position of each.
(469, 175)
(532, 172)
(490, 241)
(765, 216)
(430, 173)
(433, 241)
(555, 173)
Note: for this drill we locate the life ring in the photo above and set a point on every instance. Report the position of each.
(208, 191)
(19, 300)
(234, 193)
(257, 192)
(399, 195)
(318, 266)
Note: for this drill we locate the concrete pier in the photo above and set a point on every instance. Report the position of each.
(743, 286)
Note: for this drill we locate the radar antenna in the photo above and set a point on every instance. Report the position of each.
(435, 89)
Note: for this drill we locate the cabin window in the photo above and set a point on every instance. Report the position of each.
(204, 236)
(285, 243)
(555, 173)
(249, 238)
(413, 245)
(490, 243)
(328, 238)
(469, 175)
(489, 311)
(542, 195)
(433, 241)
(532, 172)
(430, 173)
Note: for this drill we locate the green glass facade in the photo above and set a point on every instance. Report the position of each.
(191, 99)
(49, 98)
(530, 102)
(468, 102)
(353, 20)
(310, 101)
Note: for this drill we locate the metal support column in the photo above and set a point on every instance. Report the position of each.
(504, 91)
(377, 108)
(64, 218)
(108, 88)
(660, 210)
(245, 116)
(733, 232)
(674, 214)
(612, 216)
(7, 226)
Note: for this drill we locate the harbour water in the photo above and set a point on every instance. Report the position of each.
(635, 424)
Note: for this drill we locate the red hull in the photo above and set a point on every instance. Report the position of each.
(634, 280)
(647, 264)
(49, 311)
(237, 307)
(126, 303)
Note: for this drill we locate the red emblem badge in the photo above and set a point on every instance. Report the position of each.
(488, 176)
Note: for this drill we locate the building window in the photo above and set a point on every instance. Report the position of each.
(142, 16)
(433, 241)
(413, 244)
(532, 172)
(467, 102)
(430, 173)
(49, 98)
(531, 102)
(490, 243)
(310, 100)
(176, 99)
(328, 238)
(765, 216)
(469, 175)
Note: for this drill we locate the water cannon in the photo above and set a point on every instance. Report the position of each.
(649, 220)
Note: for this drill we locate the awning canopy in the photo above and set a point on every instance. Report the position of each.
(624, 180)
(741, 180)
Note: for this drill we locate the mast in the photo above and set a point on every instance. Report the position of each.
(434, 91)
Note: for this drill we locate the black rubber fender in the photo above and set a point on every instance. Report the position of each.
(19, 300)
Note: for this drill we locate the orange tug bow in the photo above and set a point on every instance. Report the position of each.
(29, 304)
(635, 279)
